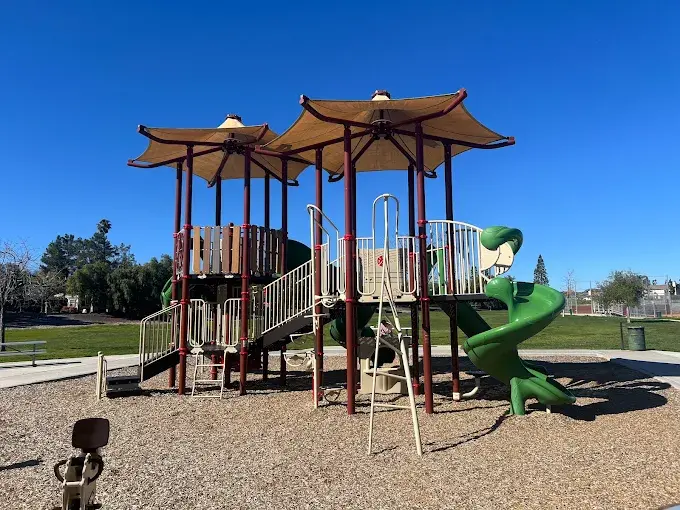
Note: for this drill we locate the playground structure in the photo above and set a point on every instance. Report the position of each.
(240, 291)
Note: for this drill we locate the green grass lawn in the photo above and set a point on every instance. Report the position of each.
(564, 333)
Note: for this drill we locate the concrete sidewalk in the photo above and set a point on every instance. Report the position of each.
(662, 365)
(21, 373)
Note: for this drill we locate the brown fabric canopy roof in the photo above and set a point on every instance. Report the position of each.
(313, 127)
(168, 145)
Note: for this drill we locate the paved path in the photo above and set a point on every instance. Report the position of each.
(21, 373)
(662, 365)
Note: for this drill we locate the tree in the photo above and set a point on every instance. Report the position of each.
(99, 247)
(91, 285)
(540, 274)
(15, 260)
(135, 289)
(625, 287)
(63, 255)
(42, 286)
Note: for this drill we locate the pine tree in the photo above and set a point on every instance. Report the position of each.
(540, 274)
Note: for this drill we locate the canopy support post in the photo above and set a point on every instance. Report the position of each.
(453, 315)
(175, 290)
(184, 303)
(350, 272)
(318, 241)
(218, 223)
(424, 297)
(284, 242)
(265, 262)
(245, 273)
(415, 332)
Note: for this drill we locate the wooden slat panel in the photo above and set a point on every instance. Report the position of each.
(236, 249)
(277, 243)
(262, 246)
(216, 245)
(271, 265)
(207, 231)
(253, 248)
(226, 249)
(196, 251)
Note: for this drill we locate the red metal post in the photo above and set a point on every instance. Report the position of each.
(184, 324)
(218, 223)
(245, 272)
(265, 351)
(284, 265)
(424, 297)
(453, 316)
(350, 273)
(415, 332)
(175, 282)
(318, 241)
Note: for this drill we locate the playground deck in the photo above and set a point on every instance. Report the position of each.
(615, 448)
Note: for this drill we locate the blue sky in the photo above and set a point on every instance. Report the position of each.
(589, 90)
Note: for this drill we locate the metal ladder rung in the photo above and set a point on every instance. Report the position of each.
(398, 377)
(391, 406)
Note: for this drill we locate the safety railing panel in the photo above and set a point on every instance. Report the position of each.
(457, 261)
(158, 334)
(230, 313)
(219, 250)
(284, 299)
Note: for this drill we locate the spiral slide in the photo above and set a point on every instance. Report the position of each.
(531, 307)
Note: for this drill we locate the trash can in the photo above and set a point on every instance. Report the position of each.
(636, 338)
(658, 315)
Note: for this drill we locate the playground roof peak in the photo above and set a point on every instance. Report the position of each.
(383, 131)
(218, 153)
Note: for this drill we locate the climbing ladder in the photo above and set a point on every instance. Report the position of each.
(386, 289)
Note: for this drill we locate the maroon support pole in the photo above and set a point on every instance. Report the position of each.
(284, 265)
(184, 303)
(265, 351)
(350, 273)
(218, 222)
(245, 272)
(175, 281)
(424, 297)
(453, 314)
(318, 241)
(415, 332)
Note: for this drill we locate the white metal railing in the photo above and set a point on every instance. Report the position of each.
(458, 261)
(285, 298)
(400, 249)
(230, 324)
(332, 246)
(200, 322)
(158, 334)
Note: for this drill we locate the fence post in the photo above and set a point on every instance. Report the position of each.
(623, 348)
(33, 362)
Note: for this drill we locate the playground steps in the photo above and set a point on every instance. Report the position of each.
(300, 324)
(122, 385)
(159, 365)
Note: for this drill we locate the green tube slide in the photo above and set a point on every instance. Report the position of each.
(531, 308)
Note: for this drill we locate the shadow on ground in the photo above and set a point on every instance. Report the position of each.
(31, 320)
(615, 389)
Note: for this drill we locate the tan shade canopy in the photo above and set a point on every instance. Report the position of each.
(209, 156)
(311, 128)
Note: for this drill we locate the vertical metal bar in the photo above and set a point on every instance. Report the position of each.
(267, 225)
(245, 273)
(414, 306)
(175, 238)
(424, 298)
(284, 240)
(350, 274)
(265, 247)
(453, 316)
(318, 241)
(185, 274)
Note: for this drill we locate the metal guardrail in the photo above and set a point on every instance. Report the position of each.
(158, 333)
